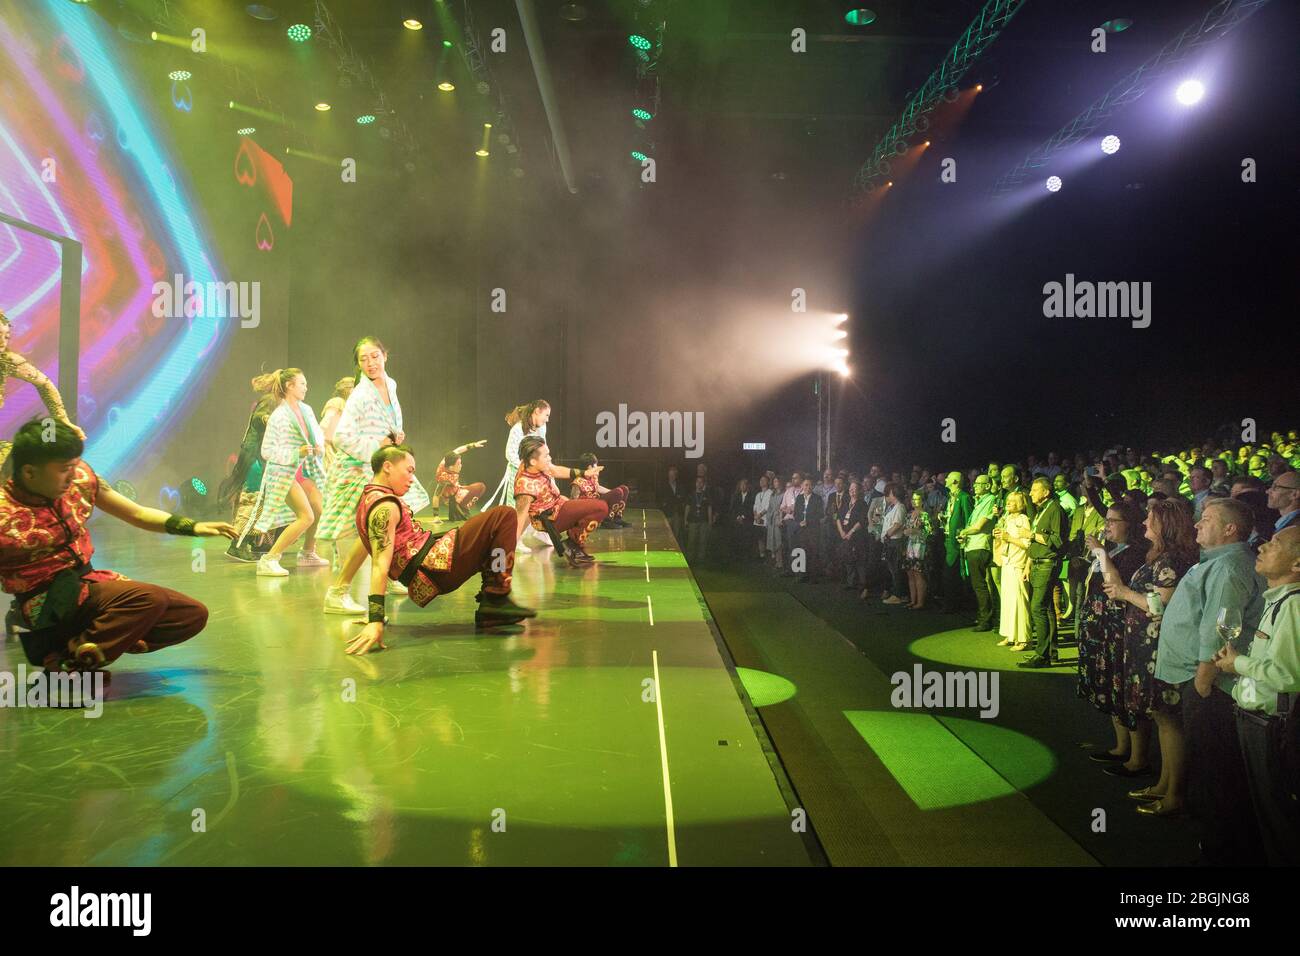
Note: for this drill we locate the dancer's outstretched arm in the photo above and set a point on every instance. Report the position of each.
(151, 519)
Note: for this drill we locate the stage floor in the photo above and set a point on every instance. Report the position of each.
(545, 747)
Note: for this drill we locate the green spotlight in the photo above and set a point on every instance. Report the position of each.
(446, 43)
(179, 75)
(198, 486)
(638, 41)
(299, 33)
(639, 156)
(860, 17)
(644, 116)
(366, 119)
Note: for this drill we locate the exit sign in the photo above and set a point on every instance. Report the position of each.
(754, 446)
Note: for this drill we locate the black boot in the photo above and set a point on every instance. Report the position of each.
(495, 610)
(244, 553)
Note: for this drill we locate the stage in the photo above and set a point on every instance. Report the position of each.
(259, 742)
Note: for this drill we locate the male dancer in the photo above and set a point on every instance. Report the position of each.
(429, 564)
(460, 498)
(82, 618)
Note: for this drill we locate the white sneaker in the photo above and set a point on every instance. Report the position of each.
(339, 601)
(522, 548)
(310, 559)
(537, 540)
(269, 567)
(396, 587)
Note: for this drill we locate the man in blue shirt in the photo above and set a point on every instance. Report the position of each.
(1217, 789)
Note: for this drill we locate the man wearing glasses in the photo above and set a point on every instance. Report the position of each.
(1284, 498)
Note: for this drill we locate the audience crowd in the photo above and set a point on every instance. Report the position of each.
(1173, 574)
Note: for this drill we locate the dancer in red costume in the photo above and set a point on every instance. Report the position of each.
(588, 488)
(539, 503)
(430, 564)
(460, 498)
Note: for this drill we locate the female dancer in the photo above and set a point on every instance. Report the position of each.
(524, 420)
(371, 419)
(539, 503)
(460, 498)
(330, 415)
(239, 490)
(292, 448)
(586, 488)
(13, 365)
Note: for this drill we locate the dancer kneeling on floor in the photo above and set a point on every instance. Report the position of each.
(430, 564)
(539, 503)
(82, 618)
(588, 488)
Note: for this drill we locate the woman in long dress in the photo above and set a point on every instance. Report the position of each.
(524, 420)
(1011, 553)
(289, 495)
(371, 419)
(772, 522)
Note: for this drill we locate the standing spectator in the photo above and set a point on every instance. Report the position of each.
(1225, 578)
(852, 527)
(956, 516)
(1269, 671)
(836, 502)
(773, 521)
(876, 506)
(673, 500)
(699, 519)
(789, 528)
(1101, 622)
(826, 486)
(976, 541)
(808, 511)
(916, 531)
(1011, 553)
(762, 502)
(742, 518)
(893, 543)
(1046, 547)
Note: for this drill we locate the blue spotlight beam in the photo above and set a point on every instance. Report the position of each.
(1217, 22)
(977, 38)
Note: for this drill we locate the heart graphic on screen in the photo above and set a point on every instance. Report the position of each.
(245, 168)
(169, 499)
(265, 237)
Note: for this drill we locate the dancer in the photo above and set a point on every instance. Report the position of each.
(289, 495)
(80, 617)
(13, 365)
(430, 564)
(460, 498)
(586, 488)
(540, 505)
(238, 491)
(371, 419)
(524, 420)
(330, 415)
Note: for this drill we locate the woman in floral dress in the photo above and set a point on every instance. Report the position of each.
(916, 530)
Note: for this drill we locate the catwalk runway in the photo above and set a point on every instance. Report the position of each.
(259, 742)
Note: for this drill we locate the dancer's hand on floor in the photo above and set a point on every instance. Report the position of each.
(216, 529)
(372, 635)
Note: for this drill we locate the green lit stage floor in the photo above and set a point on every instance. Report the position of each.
(903, 785)
(260, 742)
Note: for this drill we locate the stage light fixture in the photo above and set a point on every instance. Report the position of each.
(638, 41)
(299, 33)
(481, 152)
(860, 17)
(248, 131)
(260, 11)
(979, 87)
(446, 43)
(365, 119)
(153, 34)
(412, 24)
(179, 76)
(122, 486)
(1053, 184)
(1118, 25)
(639, 156)
(322, 107)
(644, 116)
(446, 86)
(1110, 145)
(573, 12)
(1189, 92)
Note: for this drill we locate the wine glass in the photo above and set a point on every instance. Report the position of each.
(1229, 625)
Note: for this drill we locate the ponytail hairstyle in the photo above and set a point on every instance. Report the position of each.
(275, 383)
(356, 354)
(528, 449)
(343, 387)
(523, 414)
(587, 460)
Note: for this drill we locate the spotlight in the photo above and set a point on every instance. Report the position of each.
(260, 11)
(1053, 184)
(1110, 145)
(248, 131)
(125, 488)
(890, 183)
(446, 43)
(1189, 92)
(483, 87)
(153, 34)
(322, 107)
(860, 17)
(926, 143)
(365, 119)
(446, 86)
(979, 87)
(413, 24)
(481, 152)
(1118, 25)
(299, 33)
(639, 156)
(487, 125)
(179, 76)
(638, 41)
(644, 116)
(900, 148)
(573, 12)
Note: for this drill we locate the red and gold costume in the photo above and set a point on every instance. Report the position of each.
(616, 498)
(430, 564)
(449, 487)
(578, 517)
(43, 538)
